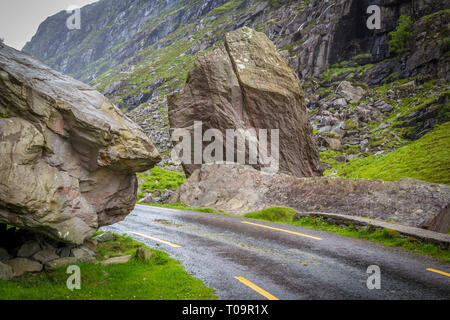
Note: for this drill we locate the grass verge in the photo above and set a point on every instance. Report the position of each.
(426, 159)
(160, 278)
(387, 237)
(159, 179)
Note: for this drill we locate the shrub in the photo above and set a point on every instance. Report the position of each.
(401, 36)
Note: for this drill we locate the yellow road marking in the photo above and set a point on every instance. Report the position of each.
(439, 271)
(257, 289)
(284, 230)
(156, 239)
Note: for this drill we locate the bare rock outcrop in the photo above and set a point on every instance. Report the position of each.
(240, 189)
(67, 155)
(246, 84)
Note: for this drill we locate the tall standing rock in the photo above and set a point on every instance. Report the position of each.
(245, 83)
(67, 155)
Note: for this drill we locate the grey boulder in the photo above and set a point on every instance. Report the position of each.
(68, 156)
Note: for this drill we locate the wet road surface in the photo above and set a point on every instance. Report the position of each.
(249, 259)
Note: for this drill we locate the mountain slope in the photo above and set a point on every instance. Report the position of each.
(137, 52)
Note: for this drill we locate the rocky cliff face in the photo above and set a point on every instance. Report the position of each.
(68, 155)
(315, 34)
(363, 98)
(246, 84)
(137, 52)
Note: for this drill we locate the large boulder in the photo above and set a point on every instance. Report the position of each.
(239, 189)
(68, 155)
(246, 84)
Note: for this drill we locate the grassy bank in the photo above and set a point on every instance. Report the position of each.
(159, 179)
(160, 278)
(426, 159)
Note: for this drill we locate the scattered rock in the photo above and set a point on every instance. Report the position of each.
(21, 266)
(440, 222)
(116, 260)
(28, 249)
(82, 254)
(350, 92)
(45, 255)
(106, 236)
(383, 106)
(6, 272)
(4, 255)
(143, 253)
(61, 262)
(64, 252)
(339, 103)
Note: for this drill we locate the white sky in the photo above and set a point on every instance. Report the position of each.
(20, 19)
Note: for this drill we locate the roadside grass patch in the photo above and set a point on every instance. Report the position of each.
(387, 237)
(274, 214)
(160, 278)
(159, 179)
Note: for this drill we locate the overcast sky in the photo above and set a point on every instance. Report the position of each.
(19, 19)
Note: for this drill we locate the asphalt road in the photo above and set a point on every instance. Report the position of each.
(243, 259)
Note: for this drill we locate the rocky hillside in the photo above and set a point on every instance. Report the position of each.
(378, 99)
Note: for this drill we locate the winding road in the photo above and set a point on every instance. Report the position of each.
(249, 259)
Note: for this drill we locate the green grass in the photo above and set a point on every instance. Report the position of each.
(425, 159)
(159, 179)
(386, 237)
(328, 157)
(158, 278)
(274, 214)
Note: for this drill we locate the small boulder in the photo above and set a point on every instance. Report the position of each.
(6, 272)
(340, 103)
(106, 236)
(350, 92)
(28, 249)
(64, 252)
(21, 266)
(82, 254)
(4, 255)
(57, 263)
(45, 255)
(116, 260)
(144, 254)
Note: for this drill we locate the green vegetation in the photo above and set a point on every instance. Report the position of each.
(401, 36)
(4, 114)
(274, 214)
(158, 278)
(230, 5)
(159, 179)
(426, 159)
(328, 156)
(386, 237)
